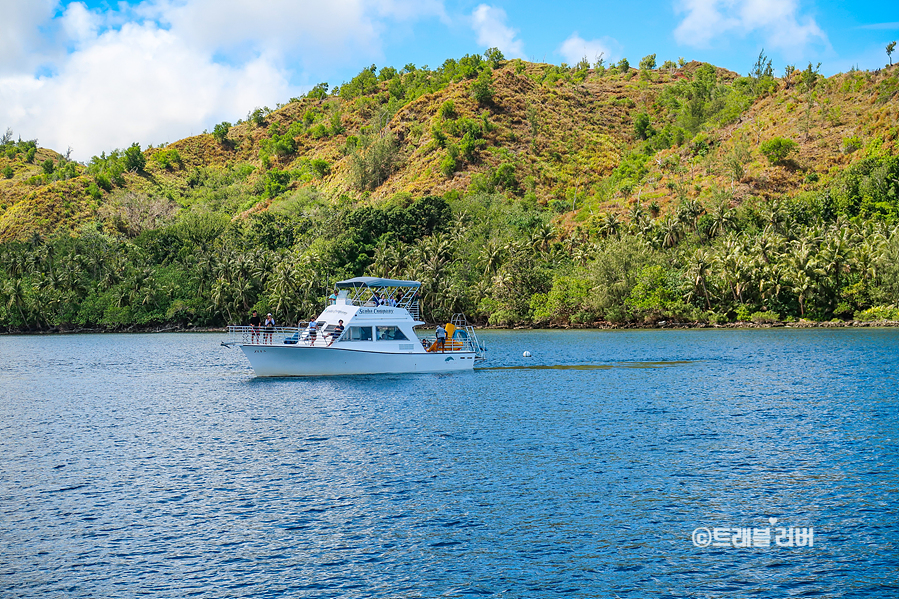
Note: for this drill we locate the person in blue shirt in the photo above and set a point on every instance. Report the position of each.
(312, 330)
(441, 337)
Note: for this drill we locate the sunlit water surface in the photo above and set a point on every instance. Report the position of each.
(157, 465)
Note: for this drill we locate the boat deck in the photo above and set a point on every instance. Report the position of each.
(299, 335)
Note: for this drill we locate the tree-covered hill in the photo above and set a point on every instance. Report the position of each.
(517, 192)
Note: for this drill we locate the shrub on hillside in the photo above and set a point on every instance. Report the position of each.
(279, 145)
(851, 144)
(494, 57)
(482, 88)
(220, 133)
(276, 182)
(648, 63)
(642, 128)
(103, 181)
(447, 110)
(257, 117)
(449, 162)
(134, 159)
(468, 146)
(320, 167)
(318, 92)
(371, 165)
(168, 159)
(336, 123)
(778, 149)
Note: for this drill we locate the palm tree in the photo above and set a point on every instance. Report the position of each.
(801, 264)
(609, 225)
(803, 286)
(731, 261)
(775, 216)
(689, 211)
(867, 256)
(283, 291)
(833, 262)
(671, 230)
(541, 235)
(492, 256)
(770, 281)
(16, 296)
(698, 272)
(219, 301)
(723, 219)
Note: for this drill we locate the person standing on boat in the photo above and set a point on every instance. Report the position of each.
(337, 332)
(312, 331)
(332, 299)
(254, 327)
(269, 328)
(441, 337)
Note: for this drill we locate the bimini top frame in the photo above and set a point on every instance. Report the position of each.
(370, 291)
(376, 283)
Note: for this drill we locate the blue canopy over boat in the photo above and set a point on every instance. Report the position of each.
(376, 282)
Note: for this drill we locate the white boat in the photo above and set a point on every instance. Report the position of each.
(379, 318)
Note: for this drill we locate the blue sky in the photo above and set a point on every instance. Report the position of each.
(95, 75)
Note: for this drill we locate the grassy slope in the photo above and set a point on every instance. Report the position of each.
(564, 139)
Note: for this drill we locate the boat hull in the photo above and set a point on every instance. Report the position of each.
(293, 360)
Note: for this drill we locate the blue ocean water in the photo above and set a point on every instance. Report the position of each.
(158, 466)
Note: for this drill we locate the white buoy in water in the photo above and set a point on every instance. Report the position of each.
(526, 354)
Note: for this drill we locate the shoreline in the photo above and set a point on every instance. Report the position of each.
(596, 326)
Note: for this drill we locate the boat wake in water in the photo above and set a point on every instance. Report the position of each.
(592, 366)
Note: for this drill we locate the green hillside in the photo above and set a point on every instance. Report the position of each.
(518, 193)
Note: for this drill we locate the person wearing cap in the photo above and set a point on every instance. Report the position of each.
(269, 328)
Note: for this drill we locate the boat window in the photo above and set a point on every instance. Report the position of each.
(390, 334)
(357, 334)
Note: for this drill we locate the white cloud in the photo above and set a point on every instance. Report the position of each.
(778, 21)
(137, 84)
(575, 48)
(79, 24)
(164, 69)
(489, 23)
(21, 42)
(315, 32)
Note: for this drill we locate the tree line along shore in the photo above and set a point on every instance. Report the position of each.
(522, 195)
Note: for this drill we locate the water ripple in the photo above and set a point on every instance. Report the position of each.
(157, 465)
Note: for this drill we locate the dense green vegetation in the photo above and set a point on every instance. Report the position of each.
(832, 254)
(671, 193)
